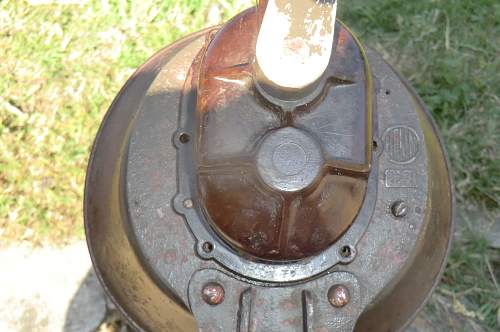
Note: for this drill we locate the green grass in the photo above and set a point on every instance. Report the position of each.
(450, 52)
(61, 66)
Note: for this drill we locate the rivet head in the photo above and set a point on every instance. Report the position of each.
(213, 293)
(188, 204)
(338, 296)
(399, 209)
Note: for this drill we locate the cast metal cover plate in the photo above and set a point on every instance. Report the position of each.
(154, 262)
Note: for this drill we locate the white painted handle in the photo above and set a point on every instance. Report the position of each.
(295, 41)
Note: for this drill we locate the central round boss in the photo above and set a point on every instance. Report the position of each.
(289, 159)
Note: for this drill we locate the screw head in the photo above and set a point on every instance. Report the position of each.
(338, 295)
(399, 209)
(213, 293)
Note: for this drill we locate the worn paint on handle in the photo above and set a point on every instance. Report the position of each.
(295, 41)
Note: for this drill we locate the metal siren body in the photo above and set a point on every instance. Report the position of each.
(219, 199)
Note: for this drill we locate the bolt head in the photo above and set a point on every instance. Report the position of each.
(399, 209)
(213, 293)
(338, 296)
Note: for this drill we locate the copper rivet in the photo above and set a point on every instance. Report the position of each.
(213, 293)
(338, 296)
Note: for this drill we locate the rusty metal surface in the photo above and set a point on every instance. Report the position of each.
(302, 307)
(154, 262)
(250, 268)
(422, 268)
(288, 208)
(118, 262)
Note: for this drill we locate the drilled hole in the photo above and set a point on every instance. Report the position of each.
(387, 92)
(184, 138)
(345, 252)
(208, 247)
(375, 145)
